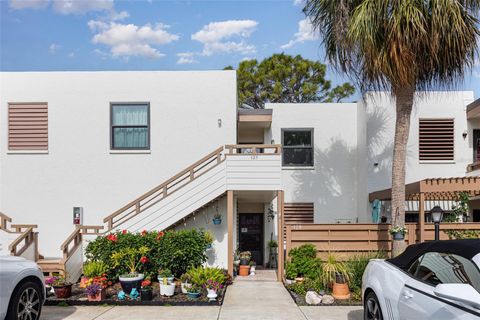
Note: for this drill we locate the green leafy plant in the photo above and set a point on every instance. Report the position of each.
(334, 270)
(175, 250)
(272, 244)
(209, 237)
(95, 269)
(200, 275)
(356, 266)
(194, 288)
(462, 234)
(165, 273)
(303, 262)
(131, 258)
(245, 255)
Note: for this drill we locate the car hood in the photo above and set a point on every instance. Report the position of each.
(16, 260)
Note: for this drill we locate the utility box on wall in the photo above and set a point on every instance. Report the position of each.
(77, 216)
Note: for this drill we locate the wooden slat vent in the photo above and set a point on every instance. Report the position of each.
(27, 127)
(298, 213)
(436, 139)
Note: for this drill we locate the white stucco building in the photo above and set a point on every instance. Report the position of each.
(155, 150)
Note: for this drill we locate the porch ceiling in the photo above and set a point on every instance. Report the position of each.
(255, 196)
(254, 118)
(434, 189)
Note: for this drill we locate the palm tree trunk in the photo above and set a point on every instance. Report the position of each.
(404, 103)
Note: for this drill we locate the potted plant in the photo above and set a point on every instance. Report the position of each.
(398, 233)
(253, 266)
(335, 275)
(217, 218)
(209, 239)
(245, 257)
(186, 282)
(212, 287)
(167, 286)
(95, 292)
(132, 259)
(62, 288)
(92, 269)
(146, 292)
(193, 292)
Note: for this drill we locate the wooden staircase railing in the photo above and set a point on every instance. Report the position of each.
(27, 238)
(165, 189)
(4, 221)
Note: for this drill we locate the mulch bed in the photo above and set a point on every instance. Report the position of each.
(79, 298)
(300, 300)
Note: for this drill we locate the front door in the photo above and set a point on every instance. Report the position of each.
(250, 229)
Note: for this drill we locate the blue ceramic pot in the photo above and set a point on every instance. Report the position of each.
(217, 221)
(398, 236)
(193, 295)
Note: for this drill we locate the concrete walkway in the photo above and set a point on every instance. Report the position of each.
(245, 300)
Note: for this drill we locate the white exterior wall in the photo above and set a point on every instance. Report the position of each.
(380, 113)
(79, 169)
(332, 184)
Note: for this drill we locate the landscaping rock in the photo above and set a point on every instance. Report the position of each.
(313, 298)
(327, 299)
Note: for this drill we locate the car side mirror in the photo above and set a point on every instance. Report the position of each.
(460, 292)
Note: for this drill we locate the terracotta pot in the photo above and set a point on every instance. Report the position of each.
(341, 291)
(98, 297)
(244, 271)
(63, 292)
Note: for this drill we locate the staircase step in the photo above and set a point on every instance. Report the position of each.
(51, 265)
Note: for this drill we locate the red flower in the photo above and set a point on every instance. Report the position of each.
(143, 259)
(160, 234)
(112, 237)
(144, 232)
(124, 231)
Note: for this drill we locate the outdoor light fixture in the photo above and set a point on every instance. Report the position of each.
(219, 121)
(464, 134)
(437, 214)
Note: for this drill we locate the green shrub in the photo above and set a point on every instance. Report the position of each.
(200, 275)
(174, 250)
(298, 288)
(303, 262)
(93, 269)
(356, 266)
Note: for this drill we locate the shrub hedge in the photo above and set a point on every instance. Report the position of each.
(174, 250)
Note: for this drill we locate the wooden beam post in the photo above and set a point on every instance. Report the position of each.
(230, 230)
(421, 217)
(280, 235)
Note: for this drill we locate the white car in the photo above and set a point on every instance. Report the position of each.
(22, 289)
(432, 280)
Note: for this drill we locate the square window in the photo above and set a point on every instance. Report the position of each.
(130, 126)
(297, 147)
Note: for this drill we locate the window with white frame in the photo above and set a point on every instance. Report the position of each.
(297, 147)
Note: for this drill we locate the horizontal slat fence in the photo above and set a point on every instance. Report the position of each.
(346, 240)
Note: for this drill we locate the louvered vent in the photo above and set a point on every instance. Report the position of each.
(298, 213)
(27, 127)
(436, 139)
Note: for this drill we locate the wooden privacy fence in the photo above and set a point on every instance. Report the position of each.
(346, 240)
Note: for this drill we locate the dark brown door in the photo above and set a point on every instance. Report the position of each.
(476, 145)
(251, 235)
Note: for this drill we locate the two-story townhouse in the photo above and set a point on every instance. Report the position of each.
(156, 150)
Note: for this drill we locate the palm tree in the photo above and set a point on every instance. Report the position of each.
(401, 46)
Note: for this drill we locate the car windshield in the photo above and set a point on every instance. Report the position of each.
(435, 268)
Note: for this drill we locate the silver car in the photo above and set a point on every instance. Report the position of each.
(22, 292)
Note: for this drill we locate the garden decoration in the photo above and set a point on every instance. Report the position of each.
(95, 292)
(209, 239)
(186, 282)
(62, 288)
(134, 294)
(335, 273)
(133, 259)
(167, 286)
(121, 295)
(253, 266)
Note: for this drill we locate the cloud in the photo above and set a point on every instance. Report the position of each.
(126, 40)
(71, 54)
(186, 58)
(81, 6)
(64, 6)
(28, 4)
(53, 48)
(297, 2)
(216, 37)
(305, 33)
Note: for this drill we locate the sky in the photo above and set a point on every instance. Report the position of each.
(61, 35)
